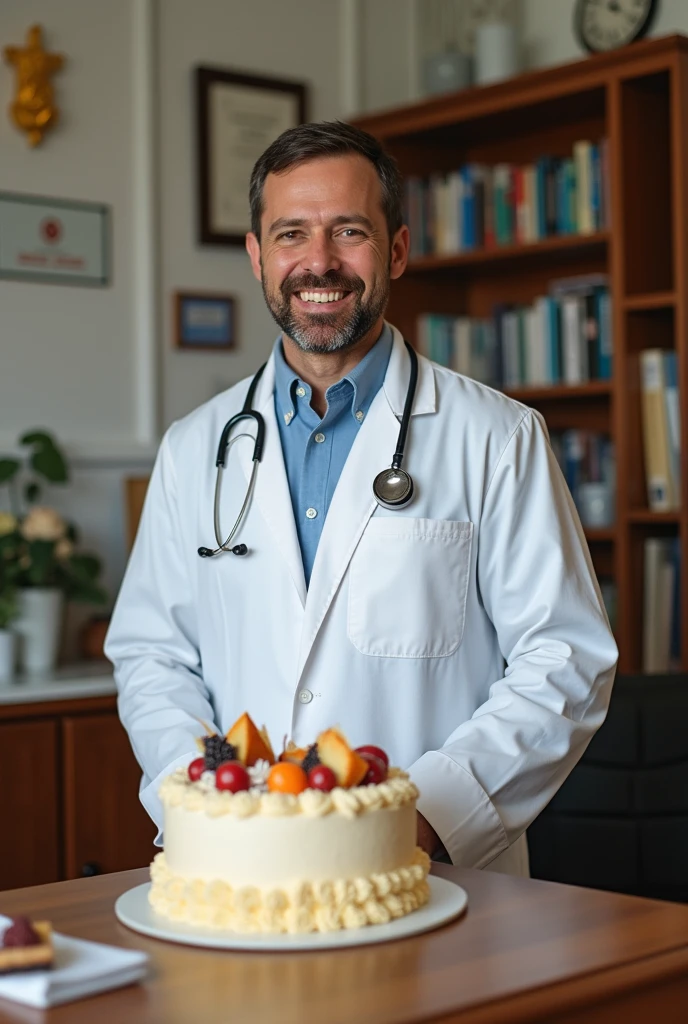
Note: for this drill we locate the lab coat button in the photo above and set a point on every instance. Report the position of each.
(311, 513)
(305, 696)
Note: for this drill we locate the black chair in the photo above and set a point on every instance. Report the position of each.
(620, 821)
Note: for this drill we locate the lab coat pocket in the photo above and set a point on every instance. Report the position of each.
(408, 582)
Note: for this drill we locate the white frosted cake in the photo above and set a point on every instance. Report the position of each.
(325, 838)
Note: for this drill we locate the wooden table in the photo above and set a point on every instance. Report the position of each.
(525, 951)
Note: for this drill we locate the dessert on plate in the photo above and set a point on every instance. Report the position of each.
(26, 945)
(320, 838)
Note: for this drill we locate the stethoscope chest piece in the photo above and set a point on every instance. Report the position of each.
(393, 488)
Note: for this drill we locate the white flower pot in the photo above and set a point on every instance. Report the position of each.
(6, 656)
(39, 627)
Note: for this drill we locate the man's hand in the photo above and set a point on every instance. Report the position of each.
(427, 838)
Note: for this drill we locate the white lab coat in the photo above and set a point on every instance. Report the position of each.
(403, 634)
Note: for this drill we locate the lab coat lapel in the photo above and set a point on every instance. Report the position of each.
(353, 502)
(271, 492)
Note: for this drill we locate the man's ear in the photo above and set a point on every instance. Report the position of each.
(253, 250)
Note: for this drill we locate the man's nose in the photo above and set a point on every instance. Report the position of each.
(321, 255)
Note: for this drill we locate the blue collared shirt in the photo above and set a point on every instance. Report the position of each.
(315, 449)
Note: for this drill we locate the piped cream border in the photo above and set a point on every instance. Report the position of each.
(396, 791)
(302, 907)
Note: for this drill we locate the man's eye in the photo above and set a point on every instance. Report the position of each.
(351, 232)
(288, 236)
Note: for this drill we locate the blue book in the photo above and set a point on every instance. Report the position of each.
(596, 187)
(541, 196)
(554, 338)
(468, 219)
(604, 335)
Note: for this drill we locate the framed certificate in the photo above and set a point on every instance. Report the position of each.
(53, 240)
(238, 116)
(204, 322)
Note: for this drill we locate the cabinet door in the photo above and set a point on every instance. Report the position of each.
(105, 826)
(29, 849)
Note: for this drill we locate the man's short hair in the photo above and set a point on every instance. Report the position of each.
(322, 139)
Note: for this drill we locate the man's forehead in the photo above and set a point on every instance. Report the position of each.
(335, 186)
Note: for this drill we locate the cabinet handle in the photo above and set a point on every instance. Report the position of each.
(90, 869)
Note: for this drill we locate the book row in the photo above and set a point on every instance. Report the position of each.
(562, 338)
(481, 206)
(661, 428)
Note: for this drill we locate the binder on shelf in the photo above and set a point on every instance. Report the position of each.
(662, 493)
(659, 603)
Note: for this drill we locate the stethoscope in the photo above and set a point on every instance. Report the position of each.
(392, 488)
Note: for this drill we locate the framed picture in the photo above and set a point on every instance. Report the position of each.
(204, 322)
(238, 116)
(54, 240)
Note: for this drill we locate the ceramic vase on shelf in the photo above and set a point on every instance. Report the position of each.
(39, 627)
(496, 52)
(7, 656)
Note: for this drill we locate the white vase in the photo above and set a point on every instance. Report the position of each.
(496, 52)
(39, 627)
(6, 656)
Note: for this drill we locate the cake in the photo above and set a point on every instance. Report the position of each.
(319, 839)
(26, 945)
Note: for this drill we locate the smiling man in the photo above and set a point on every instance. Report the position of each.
(463, 631)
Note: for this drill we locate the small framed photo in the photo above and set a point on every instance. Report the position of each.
(204, 322)
(237, 117)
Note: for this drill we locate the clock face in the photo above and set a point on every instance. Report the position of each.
(607, 24)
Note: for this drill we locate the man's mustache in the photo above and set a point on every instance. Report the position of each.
(332, 282)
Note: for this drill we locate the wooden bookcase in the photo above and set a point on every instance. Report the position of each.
(638, 99)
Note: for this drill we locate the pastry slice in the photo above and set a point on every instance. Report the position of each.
(26, 946)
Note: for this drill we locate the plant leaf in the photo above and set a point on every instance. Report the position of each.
(47, 458)
(8, 469)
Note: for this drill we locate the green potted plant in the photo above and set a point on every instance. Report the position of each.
(42, 562)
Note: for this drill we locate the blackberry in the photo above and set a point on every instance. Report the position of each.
(217, 751)
(311, 758)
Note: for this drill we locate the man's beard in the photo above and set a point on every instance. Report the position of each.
(321, 331)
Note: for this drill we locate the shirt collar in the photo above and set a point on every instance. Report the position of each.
(366, 377)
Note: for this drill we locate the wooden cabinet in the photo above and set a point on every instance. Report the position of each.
(105, 826)
(29, 833)
(69, 783)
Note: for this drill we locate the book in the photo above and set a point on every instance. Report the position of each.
(661, 493)
(659, 568)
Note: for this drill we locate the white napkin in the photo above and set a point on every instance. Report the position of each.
(80, 969)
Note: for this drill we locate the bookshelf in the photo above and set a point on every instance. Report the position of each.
(637, 99)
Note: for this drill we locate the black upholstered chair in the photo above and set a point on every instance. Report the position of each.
(620, 821)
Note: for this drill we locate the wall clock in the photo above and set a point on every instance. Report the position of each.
(603, 25)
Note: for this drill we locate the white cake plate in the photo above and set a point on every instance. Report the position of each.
(446, 902)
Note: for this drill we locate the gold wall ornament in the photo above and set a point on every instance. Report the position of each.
(33, 109)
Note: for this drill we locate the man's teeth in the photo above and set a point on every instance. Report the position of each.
(321, 296)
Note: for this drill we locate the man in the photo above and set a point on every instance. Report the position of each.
(394, 625)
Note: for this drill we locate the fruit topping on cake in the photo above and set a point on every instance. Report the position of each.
(25, 946)
(321, 777)
(287, 777)
(232, 776)
(244, 759)
(250, 743)
(348, 766)
(216, 751)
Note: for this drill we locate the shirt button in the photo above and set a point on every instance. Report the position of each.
(301, 392)
(359, 415)
(311, 513)
(320, 438)
(305, 696)
(288, 416)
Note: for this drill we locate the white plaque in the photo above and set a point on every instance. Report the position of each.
(53, 240)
